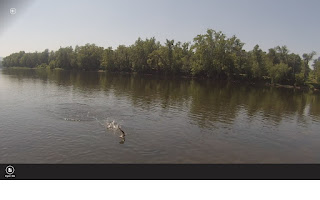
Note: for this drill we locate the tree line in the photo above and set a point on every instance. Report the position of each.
(211, 55)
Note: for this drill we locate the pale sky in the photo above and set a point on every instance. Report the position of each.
(269, 23)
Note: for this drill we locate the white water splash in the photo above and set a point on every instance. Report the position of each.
(116, 128)
(112, 125)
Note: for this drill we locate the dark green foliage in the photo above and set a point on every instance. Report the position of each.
(316, 69)
(212, 55)
(89, 57)
(23, 59)
(122, 59)
(107, 61)
(140, 53)
(63, 58)
(279, 73)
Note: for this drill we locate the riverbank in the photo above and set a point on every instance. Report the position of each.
(205, 57)
(314, 87)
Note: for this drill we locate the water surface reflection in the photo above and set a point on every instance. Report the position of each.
(166, 120)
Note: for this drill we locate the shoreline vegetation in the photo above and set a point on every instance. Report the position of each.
(210, 56)
(247, 82)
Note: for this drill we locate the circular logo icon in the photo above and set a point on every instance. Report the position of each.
(13, 11)
(10, 169)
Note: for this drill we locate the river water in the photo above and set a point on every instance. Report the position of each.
(72, 117)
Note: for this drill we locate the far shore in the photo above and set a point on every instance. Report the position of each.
(309, 87)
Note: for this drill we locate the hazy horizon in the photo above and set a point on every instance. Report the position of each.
(49, 25)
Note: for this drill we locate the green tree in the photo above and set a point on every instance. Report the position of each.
(283, 53)
(89, 57)
(278, 73)
(257, 62)
(122, 59)
(316, 69)
(107, 61)
(307, 58)
(141, 51)
(63, 58)
(158, 60)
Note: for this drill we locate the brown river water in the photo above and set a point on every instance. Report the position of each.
(73, 117)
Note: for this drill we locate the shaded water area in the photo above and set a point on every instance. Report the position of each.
(73, 117)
